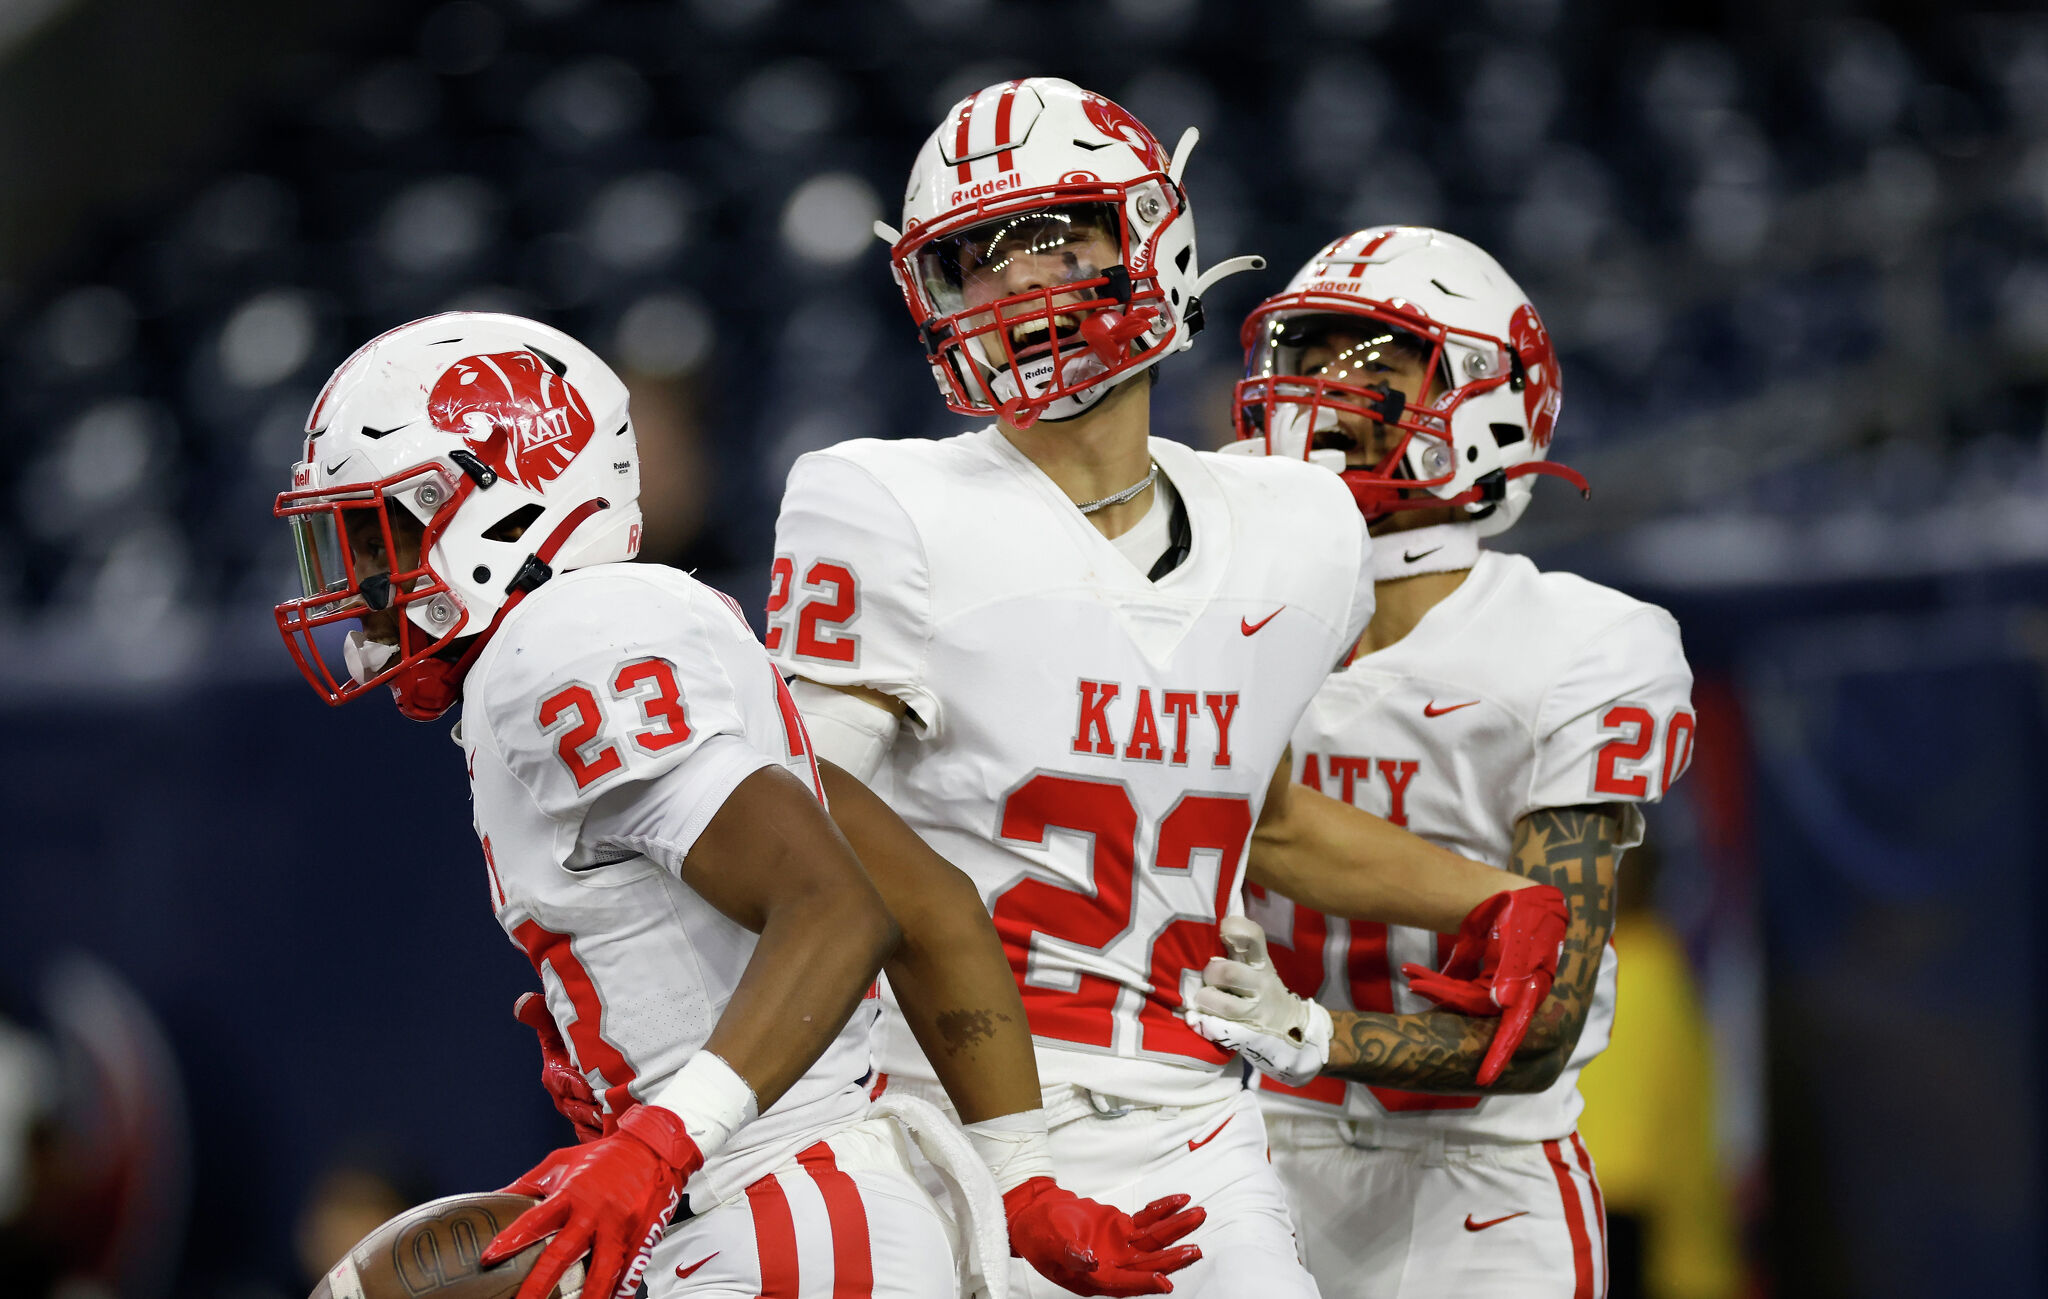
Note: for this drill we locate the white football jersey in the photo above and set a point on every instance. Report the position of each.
(1522, 690)
(606, 722)
(1091, 747)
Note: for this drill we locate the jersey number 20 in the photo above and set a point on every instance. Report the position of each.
(1618, 770)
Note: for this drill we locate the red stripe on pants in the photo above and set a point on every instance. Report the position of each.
(853, 1259)
(1574, 1221)
(1599, 1208)
(774, 1238)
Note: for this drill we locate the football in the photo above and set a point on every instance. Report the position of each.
(431, 1252)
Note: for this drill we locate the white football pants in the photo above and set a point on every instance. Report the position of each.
(1419, 1218)
(844, 1219)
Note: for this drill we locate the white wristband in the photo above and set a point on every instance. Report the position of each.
(1016, 1147)
(712, 1101)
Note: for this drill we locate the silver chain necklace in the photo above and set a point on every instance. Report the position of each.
(1126, 494)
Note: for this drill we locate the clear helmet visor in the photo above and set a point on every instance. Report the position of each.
(1018, 254)
(1355, 350)
(1320, 384)
(323, 559)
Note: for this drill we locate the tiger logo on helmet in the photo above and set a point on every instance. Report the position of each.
(525, 421)
(485, 431)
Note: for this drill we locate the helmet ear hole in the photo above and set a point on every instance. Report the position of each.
(514, 524)
(1506, 435)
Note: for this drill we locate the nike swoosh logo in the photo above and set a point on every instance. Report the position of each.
(1492, 1222)
(685, 1271)
(1249, 626)
(1431, 710)
(335, 468)
(1412, 558)
(1197, 1145)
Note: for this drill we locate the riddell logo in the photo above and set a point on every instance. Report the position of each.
(525, 420)
(302, 476)
(1009, 180)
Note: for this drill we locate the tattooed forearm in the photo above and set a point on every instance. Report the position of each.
(1570, 849)
(1436, 1052)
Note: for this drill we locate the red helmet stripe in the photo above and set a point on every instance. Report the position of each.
(960, 137)
(1372, 246)
(1004, 160)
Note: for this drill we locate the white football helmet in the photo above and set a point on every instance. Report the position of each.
(507, 440)
(1047, 251)
(1485, 425)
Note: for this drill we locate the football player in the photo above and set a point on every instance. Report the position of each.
(1071, 654)
(1515, 715)
(651, 816)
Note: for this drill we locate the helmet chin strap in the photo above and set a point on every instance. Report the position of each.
(430, 687)
(1476, 494)
(1378, 496)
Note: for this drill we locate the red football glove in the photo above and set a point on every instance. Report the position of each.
(1093, 1248)
(1502, 964)
(568, 1089)
(610, 1199)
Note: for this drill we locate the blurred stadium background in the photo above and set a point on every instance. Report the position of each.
(1795, 256)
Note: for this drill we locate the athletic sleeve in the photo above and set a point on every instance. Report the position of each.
(1617, 725)
(1361, 596)
(849, 602)
(617, 686)
(661, 818)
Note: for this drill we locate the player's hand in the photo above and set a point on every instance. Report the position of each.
(566, 1087)
(1502, 964)
(610, 1199)
(1243, 1006)
(1093, 1248)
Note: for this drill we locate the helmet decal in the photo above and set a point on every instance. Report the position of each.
(1544, 394)
(525, 421)
(1363, 257)
(1115, 122)
(979, 130)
